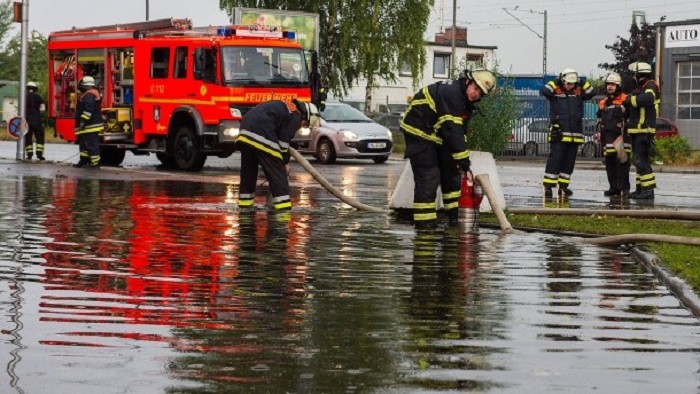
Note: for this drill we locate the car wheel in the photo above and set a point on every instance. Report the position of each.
(530, 148)
(186, 153)
(588, 150)
(325, 152)
(380, 160)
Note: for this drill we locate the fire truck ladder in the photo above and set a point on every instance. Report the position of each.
(159, 24)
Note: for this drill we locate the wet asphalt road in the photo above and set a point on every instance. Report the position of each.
(520, 179)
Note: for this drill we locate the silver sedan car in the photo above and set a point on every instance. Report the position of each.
(345, 133)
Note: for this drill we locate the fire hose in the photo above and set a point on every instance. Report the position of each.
(483, 179)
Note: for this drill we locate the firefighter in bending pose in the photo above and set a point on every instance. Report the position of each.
(566, 97)
(611, 116)
(88, 123)
(435, 127)
(643, 107)
(266, 132)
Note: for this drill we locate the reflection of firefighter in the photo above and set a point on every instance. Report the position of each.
(88, 123)
(566, 97)
(611, 115)
(643, 107)
(435, 127)
(266, 132)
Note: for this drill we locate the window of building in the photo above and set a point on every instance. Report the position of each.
(688, 96)
(405, 69)
(159, 62)
(441, 65)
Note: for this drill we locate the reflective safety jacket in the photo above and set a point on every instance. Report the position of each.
(270, 127)
(610, 113)
(439, 113)
(566, 108)
(88, 113)
(643, 108)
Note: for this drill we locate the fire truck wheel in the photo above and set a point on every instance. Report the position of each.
(111, 157)
(185, 152)
(165, 159)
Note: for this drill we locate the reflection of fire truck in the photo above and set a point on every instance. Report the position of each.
(174, 90)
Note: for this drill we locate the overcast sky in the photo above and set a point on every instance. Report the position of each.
(577, 30)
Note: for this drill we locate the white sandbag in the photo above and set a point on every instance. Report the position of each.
(481, 163)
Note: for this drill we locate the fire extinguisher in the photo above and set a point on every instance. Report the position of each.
(470, 199)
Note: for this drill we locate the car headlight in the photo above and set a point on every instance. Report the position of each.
(349, 135)
(232, 132)
(389, 135)
(229, 130)
(304, 131)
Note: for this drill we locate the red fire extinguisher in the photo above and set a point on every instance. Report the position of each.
(468, 205)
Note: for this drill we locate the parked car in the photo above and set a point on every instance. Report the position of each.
(345, 133)
(391, 121)
(529, 138)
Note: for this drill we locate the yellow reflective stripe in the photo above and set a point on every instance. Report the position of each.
(283, 205)
(431, 102)
(96, 129)
(451, 205)
(564, 180)
(421, 134)
(460, 155)
(552, 84)
(245, 203)
(633, 101)
(646, 177)
(259, 146)
(423, 205)
(454, 194)
(447, 118)
(425, 216)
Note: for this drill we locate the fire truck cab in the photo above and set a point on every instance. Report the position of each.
(174, 90)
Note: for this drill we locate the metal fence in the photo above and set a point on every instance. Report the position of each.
(528, 137)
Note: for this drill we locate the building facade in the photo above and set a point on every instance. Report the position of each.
(678, 73)
(393, 97)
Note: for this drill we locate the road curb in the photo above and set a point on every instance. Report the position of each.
(677, 286)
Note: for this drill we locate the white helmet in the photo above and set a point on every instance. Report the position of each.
(613, 77)
(640, 68)
(87, 82)
(32, 85)
(568, 75)
(309, 112)
(483, 78)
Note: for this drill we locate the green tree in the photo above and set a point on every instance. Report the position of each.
(37, 63)
(360, 39)
(640, 46)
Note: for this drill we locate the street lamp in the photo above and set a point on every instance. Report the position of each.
(543, 37)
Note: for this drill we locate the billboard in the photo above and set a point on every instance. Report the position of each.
(304, 24)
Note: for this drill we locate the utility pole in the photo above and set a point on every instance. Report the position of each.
(147, 7)
(543, 37)
(24, 48)
(454, 33)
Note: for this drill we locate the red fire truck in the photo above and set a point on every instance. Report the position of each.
(174, 90)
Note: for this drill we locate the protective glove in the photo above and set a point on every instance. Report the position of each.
(464, 165)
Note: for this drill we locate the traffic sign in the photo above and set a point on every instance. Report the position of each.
(17, 127)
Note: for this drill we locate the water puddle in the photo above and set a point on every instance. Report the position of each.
(158, 286)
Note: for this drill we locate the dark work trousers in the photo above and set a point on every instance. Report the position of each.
(89, 145)
(275, 173)
(433, 166)
(618, 173)
(560, 164)
(36, 133)
(642, 145)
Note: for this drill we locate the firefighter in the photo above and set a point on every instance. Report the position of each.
(566, 96)
(88, 123)
(34, 106)
(643, 107)
(611, 121)
(266, 131)
(435, 126)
